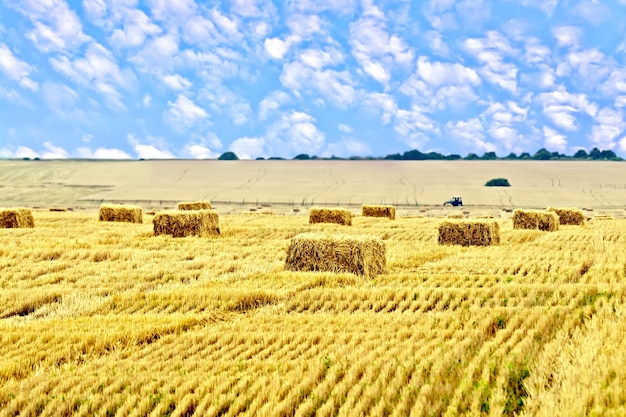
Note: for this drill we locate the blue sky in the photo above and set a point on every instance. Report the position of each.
(193, 79)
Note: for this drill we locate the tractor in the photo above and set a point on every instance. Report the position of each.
(454, 201)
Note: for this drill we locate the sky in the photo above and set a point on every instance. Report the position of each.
(151, 79)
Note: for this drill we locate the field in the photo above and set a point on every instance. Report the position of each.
(105, 318)
(102, 318)
(233, 185)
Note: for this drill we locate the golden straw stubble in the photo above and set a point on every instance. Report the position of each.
(359, 255)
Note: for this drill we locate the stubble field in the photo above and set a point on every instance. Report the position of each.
(100, 318)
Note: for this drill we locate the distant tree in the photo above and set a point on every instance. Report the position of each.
(542, 155)
(497, 182)
(595, 154)
(472, 156)
(275, 158)
(414, 155)
(489, 156)
(608, 154)
(511, 156)
(228, 156)
(453, 157)
(302, 156)
(581, 154)
(260, 158)
(394, 157)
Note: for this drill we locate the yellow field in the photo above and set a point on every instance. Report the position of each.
(106, 319)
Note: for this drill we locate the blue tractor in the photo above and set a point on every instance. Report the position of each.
(454, 201)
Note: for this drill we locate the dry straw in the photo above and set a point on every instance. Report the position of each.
(58, 209)
(469, 233)
(531, 219)
(359, 255)
(194, 205)
(330, 215)
(569, 216)
(12, 218)
(120, 213)
(187, 223)
(455, 216)
(378, 211)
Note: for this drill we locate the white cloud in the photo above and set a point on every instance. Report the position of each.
(438, 73)
(317, 6)
(414, 127)
(272, 103)
(53, 152)
(297, 133)
(158, 55)
(276, 48)
(155, 148)
(490, 51)
(346, 148)
(436, 43)
(319, 58)
(608, 125)
(560, 105)
(56, 27)
(554, 141)
(16, 69)
(568, 36)
(146, 100)
(177, 82)
(345, 128)
(249, 148)
(471, 135)
(25, 152)
(335, 86)
(547, 6)
(384, 104)
(305, 26)
(197, 151)
(136, 28)
(60, 98)
(224, 101)
(97, 70)
(593, 11)
(102, 153)
(172, 11)
(184, 113)
(375, 49)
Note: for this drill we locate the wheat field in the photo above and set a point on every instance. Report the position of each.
(106, 319)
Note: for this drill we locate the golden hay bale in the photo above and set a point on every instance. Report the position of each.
(12, 218)
(330, 215)
(569, 216)
(187, 223)
(120, 213)
(532, 219)
(469, 233)
(359, 255)
(194, 205)
(378, 211)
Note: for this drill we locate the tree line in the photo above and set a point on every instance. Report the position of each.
(414, 155)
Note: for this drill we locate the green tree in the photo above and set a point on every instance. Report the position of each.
(228, 156)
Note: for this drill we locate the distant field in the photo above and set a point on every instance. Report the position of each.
(235, 185)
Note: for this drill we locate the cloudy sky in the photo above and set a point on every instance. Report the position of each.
(193, 79)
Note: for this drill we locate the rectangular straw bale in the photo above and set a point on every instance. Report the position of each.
(378, 211)
(187, 223)
(120, 213)
(533, 219)
(469, 233)
(569, 216)
(359, 255)
(330, 215)
(194, 205)
(12, 218)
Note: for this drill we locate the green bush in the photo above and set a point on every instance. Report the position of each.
(497, 182)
